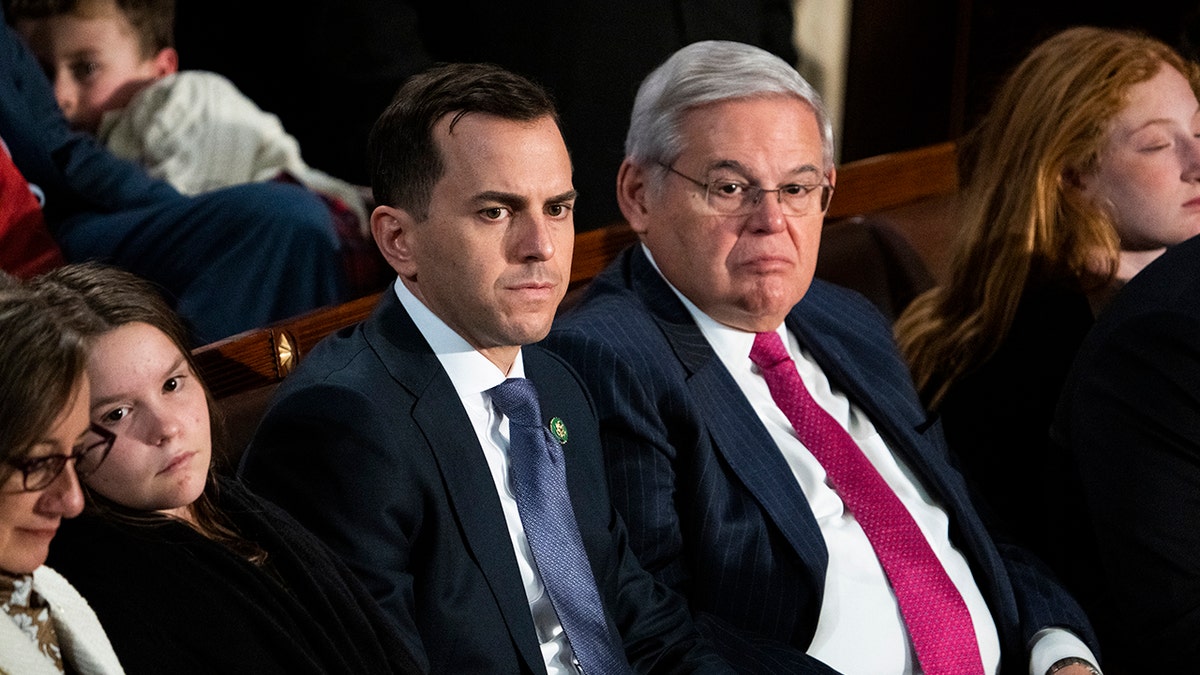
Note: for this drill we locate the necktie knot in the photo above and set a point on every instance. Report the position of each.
(768, 350)
(517, 398)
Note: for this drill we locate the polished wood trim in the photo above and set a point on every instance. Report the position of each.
(265, 356)
(895, 179)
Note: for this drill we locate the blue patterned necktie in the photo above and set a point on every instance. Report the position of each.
(539, 478)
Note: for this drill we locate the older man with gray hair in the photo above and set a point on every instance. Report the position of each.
(763, 439)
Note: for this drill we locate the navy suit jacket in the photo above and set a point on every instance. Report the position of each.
(1129, 422)
(368, 445)
(713, 509)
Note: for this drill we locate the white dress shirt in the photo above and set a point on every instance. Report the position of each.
(860, 628)
(472, 375)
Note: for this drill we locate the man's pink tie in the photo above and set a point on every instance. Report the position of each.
(934, 612)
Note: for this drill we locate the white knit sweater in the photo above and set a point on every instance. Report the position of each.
(83, 642)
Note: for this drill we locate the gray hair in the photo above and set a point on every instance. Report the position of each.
(706, 72)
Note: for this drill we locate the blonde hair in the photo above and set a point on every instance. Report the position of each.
(1023, 217)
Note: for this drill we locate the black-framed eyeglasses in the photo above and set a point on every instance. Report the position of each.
(734, 198)
(37, 473)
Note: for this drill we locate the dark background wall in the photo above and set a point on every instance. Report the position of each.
(923, 72)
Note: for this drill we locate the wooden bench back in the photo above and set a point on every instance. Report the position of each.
(912, 189)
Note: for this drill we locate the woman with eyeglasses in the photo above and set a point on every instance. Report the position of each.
(198, 574)
(46, 447)
(1084, 170)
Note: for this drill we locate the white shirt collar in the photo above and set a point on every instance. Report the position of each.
(731, 344)
(470, 371)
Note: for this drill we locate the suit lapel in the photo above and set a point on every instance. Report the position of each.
(874, 378)
(451, 439)
(736, 431)
(864, 374)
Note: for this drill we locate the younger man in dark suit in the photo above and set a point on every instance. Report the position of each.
(458, 473)
(762, 436)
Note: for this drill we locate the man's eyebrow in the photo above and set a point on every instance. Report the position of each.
(568, 196)
(516, 201)
(807, 168)
(506, 198)
(734, 165)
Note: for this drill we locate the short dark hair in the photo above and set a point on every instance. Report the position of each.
(42, 362)
(153, 21)
(402, 157)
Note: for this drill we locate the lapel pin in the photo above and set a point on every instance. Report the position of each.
(559, 429)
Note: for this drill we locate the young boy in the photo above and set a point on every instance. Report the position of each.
(114, 70)
(115, 74)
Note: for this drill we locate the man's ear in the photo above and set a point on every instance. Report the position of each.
(633, 195)
(392, 229)
(166, 62)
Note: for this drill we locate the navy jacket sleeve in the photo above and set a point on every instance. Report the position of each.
(1134, 431)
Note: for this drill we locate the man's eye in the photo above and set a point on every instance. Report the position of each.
(797, 189)
(495, 213)
(557, 210)
(728, 189)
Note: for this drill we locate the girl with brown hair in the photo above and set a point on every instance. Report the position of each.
(197, 574)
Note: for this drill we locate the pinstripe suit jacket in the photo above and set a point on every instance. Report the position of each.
(711, 505)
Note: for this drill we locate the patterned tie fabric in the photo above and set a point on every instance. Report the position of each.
(539, 479)
(31, 613)
(934, 612)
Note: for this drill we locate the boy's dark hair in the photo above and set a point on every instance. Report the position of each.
(402, 158)
(153, 21)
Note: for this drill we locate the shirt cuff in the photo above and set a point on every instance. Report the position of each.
(1050, 645)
